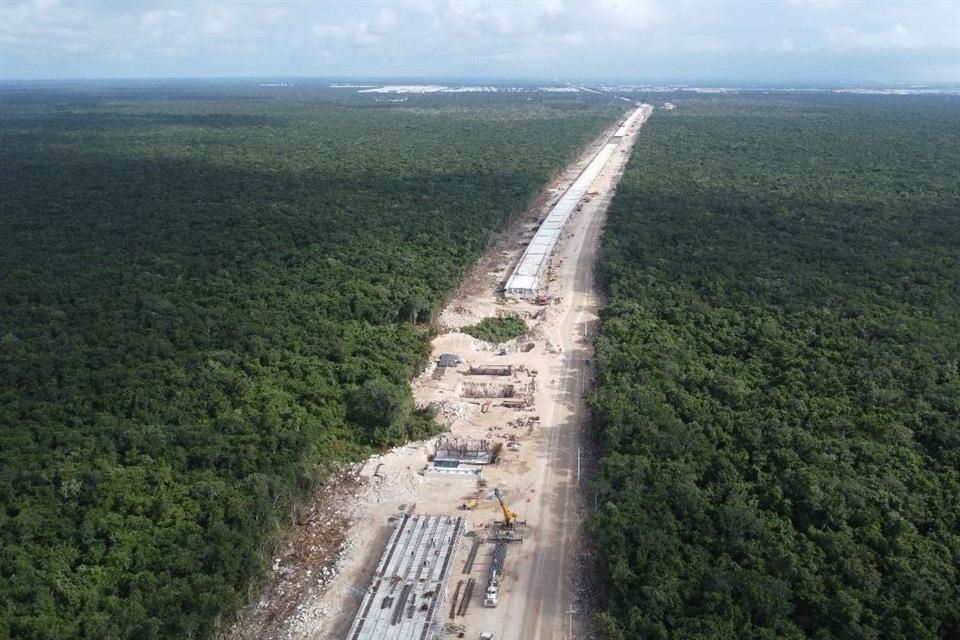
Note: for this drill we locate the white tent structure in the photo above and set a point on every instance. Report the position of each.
(525, 280)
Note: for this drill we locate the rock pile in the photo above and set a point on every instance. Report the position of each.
(452, 409)
(456, 317)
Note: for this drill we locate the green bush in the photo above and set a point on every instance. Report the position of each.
(497, 330)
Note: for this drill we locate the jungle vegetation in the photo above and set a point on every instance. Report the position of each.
(778, 406)
(497, 330)
(210, 294)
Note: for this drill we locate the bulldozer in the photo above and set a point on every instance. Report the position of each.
(469, 505)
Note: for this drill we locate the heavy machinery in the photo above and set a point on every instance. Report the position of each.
(509, 517)
(493, 591)
(469, 505)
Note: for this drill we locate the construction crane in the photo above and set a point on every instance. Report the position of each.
(509, 517)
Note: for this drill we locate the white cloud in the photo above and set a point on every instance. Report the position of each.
(158, 16)
(895, 37)
(574, 39)
(450, 36)
(385, 21)
(633, 15)
(819, 5)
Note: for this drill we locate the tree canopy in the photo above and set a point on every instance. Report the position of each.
(778, 404)
(208, 294)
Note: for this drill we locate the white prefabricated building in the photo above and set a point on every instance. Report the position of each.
(525, 280)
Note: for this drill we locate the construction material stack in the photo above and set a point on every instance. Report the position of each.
(496, 574)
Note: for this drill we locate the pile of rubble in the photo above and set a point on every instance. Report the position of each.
(480, 345)
(305, 564)
(452, 410)
(538, 331)
(298, 601)
(456, 317)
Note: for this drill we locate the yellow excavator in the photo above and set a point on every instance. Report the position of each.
(509, 517)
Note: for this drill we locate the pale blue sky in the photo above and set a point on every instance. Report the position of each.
(785, 41)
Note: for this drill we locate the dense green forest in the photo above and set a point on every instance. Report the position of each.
(778, 406)
(208, 295)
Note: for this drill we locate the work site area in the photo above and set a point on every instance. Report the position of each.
(475, 533)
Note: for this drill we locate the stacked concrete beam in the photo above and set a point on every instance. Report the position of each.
(409, 586)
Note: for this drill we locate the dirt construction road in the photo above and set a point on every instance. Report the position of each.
(542, 597)
(319, 578)
(544, 606)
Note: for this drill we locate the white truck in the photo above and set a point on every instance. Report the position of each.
(493, 588)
